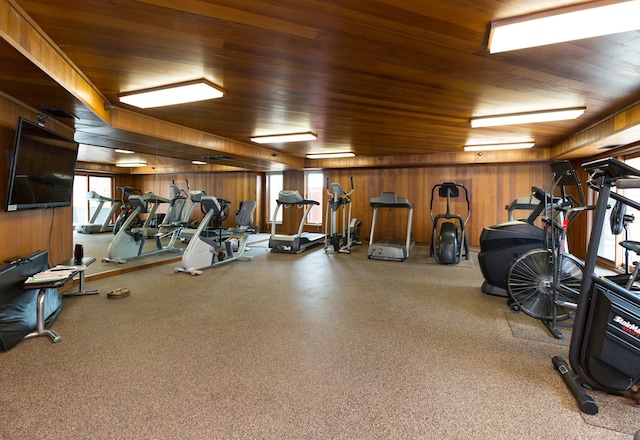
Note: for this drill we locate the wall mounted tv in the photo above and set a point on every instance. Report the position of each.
(43, 164)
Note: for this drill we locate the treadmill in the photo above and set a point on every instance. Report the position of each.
(393, 249)
(93, 227)
(293, 244)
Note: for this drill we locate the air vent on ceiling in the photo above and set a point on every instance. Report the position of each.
(58, 113)
(610, 147)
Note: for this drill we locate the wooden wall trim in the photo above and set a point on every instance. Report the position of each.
(620, 129)
(457, 158)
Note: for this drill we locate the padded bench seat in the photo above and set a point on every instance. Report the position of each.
(18, 307)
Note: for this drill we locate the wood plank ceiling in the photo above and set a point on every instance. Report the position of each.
(381, 78)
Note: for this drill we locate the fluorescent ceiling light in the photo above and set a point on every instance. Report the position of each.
(527, 117)
(198, 162)
(180, 93)
(330, 155)
(131, 164)
(290, 137)
(490, 147)
(118, 150)
(588, 20)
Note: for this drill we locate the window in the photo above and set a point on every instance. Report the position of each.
(314, 188)
(83, 208)
(633, 227)
(274, 186)
(608, 247)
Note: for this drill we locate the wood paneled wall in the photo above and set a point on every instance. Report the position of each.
(41, 229)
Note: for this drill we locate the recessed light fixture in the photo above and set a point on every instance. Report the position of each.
(527, 117)
(198, 162)
(170, 94)
(592, 19)
(490, 147)
(287, 137)
(118, 150)
(131, 164)
(331, 155)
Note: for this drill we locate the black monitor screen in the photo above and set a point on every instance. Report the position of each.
(43, 165)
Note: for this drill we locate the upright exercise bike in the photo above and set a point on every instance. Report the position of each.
(501, 244)
(451, 243)
(605, 345)
(340, 240)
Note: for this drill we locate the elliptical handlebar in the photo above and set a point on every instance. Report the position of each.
(342, 193)
(450, 184)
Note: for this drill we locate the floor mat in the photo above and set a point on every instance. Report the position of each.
(531, 329)
(615, 413)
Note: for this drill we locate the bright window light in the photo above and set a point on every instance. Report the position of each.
(588, 20)
(490, 147)
(286, 137)
(527, 118)
(330, 155)
(171, 94)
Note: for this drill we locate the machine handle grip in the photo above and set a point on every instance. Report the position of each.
(628, 182)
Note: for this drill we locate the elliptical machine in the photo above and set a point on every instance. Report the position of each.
(605, 344)
(349, 235)
(451, 243)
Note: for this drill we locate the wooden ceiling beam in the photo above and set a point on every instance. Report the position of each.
(21, 32)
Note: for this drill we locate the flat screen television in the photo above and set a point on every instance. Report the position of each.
(43, 164)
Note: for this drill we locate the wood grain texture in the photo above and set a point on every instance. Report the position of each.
(383, 78)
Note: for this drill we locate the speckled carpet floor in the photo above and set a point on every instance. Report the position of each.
(307, 346)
